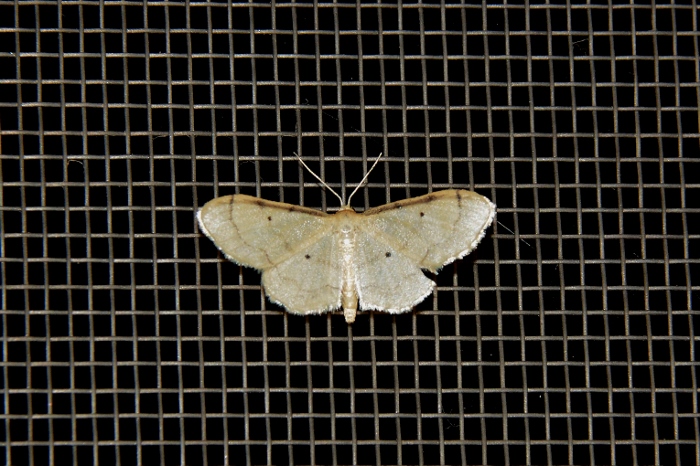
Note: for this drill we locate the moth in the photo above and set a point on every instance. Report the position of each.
(314, 262)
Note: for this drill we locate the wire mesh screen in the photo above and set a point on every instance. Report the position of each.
(568, 336)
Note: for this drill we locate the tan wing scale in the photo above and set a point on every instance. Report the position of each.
(308, 282)
(387, 280)
(432, 230)
(259, 233)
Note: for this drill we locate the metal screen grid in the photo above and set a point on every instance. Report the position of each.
(567, 337)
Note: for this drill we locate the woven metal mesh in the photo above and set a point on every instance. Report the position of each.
(569, 336)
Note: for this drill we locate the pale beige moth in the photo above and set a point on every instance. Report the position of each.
(314, 262)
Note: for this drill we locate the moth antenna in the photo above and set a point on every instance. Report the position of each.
(365, 177)
(320, 180)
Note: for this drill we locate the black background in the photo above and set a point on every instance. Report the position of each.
(567, 337)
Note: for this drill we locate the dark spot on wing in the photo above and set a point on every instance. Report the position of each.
(262, 203)
(269, 219)
(405, 203)
(303, 210)
(307, 256)
(388, 254)
(422, 214)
